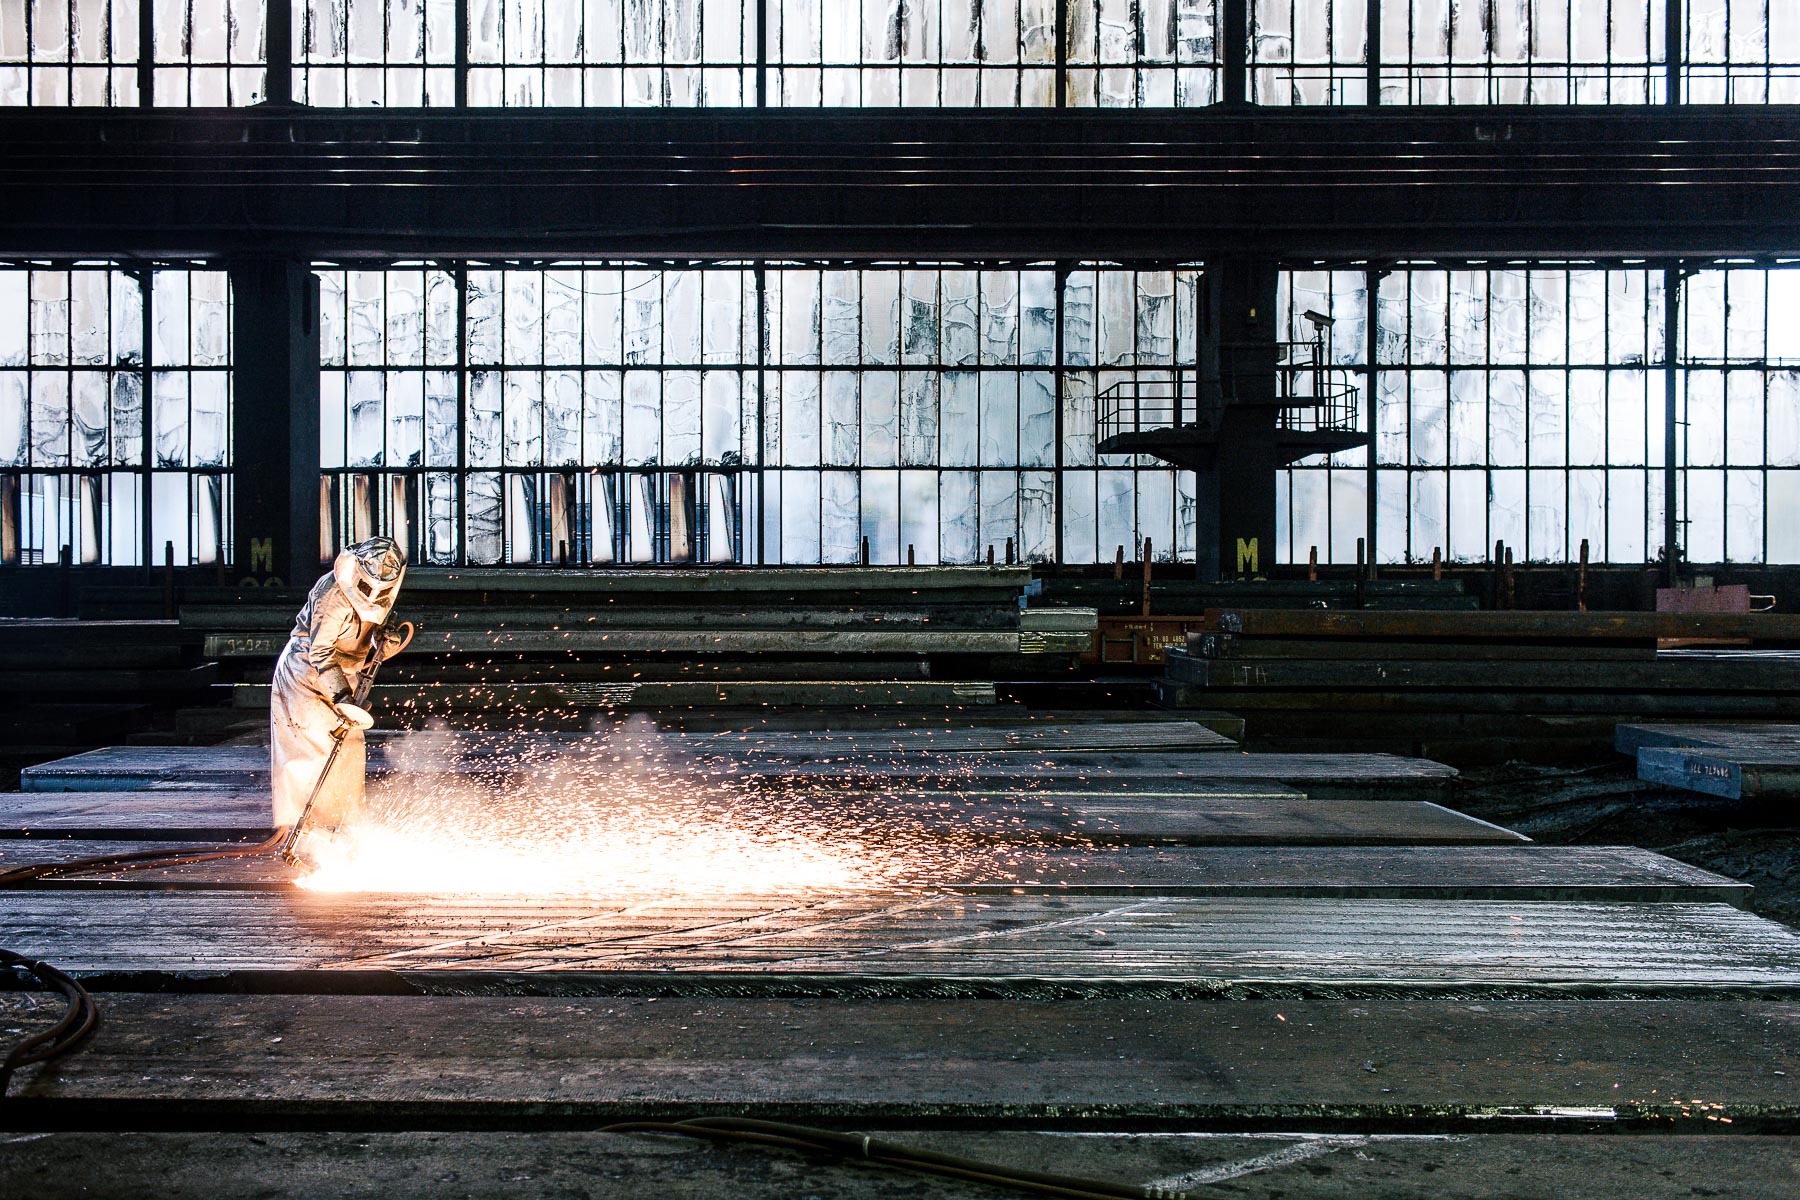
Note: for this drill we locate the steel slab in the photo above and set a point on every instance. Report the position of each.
(906, 942)
(1486, 1067)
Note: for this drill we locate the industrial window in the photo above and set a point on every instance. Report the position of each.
(635, 413)
(208, 53)
(1142, 53)
(1308, 52)
(1440, 52)
(1522, 52)
(1738, 436)
(88, 52)
(1528, 405)
(951, 53)
(940, 52)
(81, 52)
(391, 53)
(1742, 51)
(610, 53)
(81, 472)
(817, 53)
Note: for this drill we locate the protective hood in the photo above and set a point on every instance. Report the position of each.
(369, 574)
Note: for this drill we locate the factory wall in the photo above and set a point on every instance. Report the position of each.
(939, 411)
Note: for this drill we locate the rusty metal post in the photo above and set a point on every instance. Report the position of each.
(1146, 600)
(1581, 579)
(1362, 549)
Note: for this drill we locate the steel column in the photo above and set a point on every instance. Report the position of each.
(275, 429)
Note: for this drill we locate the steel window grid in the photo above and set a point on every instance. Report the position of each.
(416, 65)
(1396, 479)
(136, 466)
(754, 458)
(1733, 372)
(76, 72)
(1077, 53)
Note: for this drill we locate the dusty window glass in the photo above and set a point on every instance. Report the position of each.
(201, 53)
(76, 52)
(635, 412)
(95, 472)
(386, 53)
(1142, 53)
(1525, 404)
(1741, 52)
(611, 53)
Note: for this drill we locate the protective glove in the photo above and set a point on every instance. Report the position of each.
(354, 715)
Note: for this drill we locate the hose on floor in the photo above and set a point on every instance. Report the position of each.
(862, 1148)
(76, 1025)
(138, 860)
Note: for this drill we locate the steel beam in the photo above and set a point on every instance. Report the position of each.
(1369, 183)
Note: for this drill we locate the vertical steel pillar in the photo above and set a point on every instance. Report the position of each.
(762, 416)
(461, 488)
(1372, 56)
(147, 447)
(1062, 69)
(1371, 350)
(1234, 58)
(762, 51)
(1674, 52)
(1238, 354)
(1059, 390)
(275, 427)
(461, 42)
(1671, 427)
(146, 80)
(278, 77)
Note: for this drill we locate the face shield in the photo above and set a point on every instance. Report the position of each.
(370, 574)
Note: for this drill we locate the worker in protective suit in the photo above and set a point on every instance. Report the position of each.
(315, 680)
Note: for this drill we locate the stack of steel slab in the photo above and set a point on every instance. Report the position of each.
(1479, 686)
(836, 763)
(1738, 762)
(91, 681)
(566, 641)
(1381, 985)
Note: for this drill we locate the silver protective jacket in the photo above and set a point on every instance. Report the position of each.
(316, 670)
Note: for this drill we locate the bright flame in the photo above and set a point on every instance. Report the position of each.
(622, 813)
(645, 856)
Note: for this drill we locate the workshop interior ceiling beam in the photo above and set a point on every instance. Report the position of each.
(1376, 183)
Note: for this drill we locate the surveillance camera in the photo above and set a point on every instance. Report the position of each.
(1319, 319)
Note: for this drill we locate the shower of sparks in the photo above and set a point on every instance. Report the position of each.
(628, 812)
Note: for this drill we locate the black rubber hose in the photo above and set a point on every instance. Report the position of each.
(862, 1148)
(137, 860)
(76, 1025)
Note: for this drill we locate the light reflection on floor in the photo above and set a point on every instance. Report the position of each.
(625, 813)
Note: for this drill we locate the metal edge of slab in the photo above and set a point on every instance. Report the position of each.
(771, 985)
(1508, 1163)
(1735, 894)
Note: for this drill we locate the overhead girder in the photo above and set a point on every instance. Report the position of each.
(1354, 184)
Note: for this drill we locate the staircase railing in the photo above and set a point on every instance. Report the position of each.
(1311, 394)
(1135, 405)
